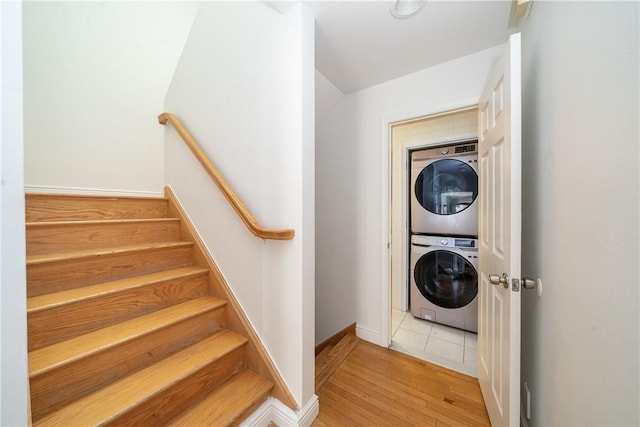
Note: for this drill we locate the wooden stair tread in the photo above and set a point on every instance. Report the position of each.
(115, 399)
(56, 355)
(334, 358)
(228, 403)
(89, 253)
(48, 301)
(44, 224)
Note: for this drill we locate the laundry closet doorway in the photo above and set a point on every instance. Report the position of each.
(455, 349)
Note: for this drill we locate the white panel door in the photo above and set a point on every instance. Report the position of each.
(499, 233)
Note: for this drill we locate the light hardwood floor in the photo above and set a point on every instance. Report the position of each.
(375, 386)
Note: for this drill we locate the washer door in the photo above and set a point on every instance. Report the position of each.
(446, 279)
(446, 187)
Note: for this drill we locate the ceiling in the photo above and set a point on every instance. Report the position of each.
(360, 44)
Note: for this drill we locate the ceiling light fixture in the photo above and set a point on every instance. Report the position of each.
(405, 8)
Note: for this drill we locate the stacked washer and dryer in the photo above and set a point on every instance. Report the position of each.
(444, 235)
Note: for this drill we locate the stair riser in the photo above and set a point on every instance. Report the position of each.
(55, 388)
(54, 276)
(63, 322)
(65, 237)
(168, 403)
(67, 208)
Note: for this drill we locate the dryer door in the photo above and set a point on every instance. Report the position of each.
(446, 279)
(446, 187)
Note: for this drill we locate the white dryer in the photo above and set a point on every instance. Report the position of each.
(444, 190)
(444, 280)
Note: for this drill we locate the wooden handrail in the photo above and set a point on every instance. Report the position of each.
(241, 209)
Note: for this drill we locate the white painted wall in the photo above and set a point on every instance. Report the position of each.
(327, 96)
(95, 77)
(352, 212)
(14, 389)
(244, 89)
(580, 202)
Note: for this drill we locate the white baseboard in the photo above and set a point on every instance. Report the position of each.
(274, 411)
(369, 335)
(43, 189)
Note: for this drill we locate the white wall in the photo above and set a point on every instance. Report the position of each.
(95, 77)
(14, 391)
(244, 89)
(327, 96)
(351, 177)
(581, 185)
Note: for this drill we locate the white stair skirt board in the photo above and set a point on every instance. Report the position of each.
(274, 411)
(44, 189)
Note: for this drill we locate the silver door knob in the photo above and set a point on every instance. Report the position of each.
(494, 279)
(528, 283)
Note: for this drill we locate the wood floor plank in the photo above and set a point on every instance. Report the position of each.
(429, 390)
(394, 405)
(353, 413)
(431, 404)
(378, 386)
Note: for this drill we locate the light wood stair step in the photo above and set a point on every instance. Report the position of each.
(155, 394)
(65, 236)
(63, 315)
(228, 404)
(49, 207)
(332, 360)
(48, 273)
(64, 371)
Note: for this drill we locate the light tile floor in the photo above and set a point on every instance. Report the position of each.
(443, 345)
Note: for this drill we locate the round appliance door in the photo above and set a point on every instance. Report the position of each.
(446, 187)
(446, 279)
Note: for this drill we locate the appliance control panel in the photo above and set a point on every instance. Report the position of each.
(461, 149)
(454, 242)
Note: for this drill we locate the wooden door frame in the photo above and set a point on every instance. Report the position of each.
(385, 202)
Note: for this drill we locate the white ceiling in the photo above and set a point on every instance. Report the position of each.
(359, 44)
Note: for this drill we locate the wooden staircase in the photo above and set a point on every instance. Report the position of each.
(128, 322)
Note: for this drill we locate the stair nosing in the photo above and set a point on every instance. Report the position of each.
(91, 253)
(113, 287)
(126, 326)
(92, 196)
(142, 374)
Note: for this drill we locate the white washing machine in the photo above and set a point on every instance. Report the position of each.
(444, 190)
(444, 280)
